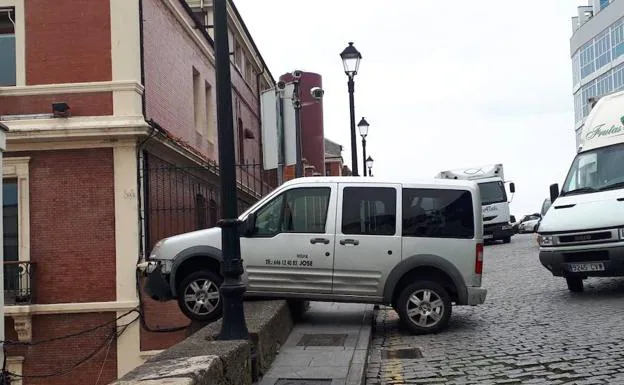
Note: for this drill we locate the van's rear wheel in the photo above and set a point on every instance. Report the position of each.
(424, 307)
(199, 296)
(575, 284)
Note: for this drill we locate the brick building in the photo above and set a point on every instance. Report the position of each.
(112, 146)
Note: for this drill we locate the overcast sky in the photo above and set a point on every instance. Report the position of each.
(443, 84)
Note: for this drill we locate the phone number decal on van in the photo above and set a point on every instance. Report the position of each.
(288, 262)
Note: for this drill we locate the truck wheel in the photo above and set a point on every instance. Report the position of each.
(575, 284)
(506, 239)
(199, 296)
(424, 307)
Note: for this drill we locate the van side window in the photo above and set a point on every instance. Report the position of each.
(437, 213)
(300, 210)
(369, 211)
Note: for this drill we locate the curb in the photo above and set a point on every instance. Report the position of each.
(357, 368)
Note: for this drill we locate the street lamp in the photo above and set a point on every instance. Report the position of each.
(233, 326)
(369, 165)
(363, 128)
(351, 60)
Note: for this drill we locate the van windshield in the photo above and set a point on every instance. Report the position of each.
(596, 170)
(492, 192)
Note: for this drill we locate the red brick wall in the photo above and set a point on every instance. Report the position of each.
(67, 41)
(72, 225)
(56, 356)
(91, 104)
(170, 56)
(333, 168)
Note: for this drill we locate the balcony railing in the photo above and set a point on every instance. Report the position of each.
(18, 282)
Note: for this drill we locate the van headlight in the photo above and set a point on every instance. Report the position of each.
(545, 240)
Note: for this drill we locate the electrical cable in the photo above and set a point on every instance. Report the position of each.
(107, 341)
(34, 343)
(142, 313)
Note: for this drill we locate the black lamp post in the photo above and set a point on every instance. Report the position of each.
(363, 128)
(351, 61)
(369, 165)
(233, 325)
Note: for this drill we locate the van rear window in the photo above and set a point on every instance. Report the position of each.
(437, 213)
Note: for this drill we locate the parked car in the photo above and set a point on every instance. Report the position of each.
(528, 224)
(340, 239)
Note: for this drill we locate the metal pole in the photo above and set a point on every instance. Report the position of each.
(297, 105)
(364, 155)
(354, 161)
(280, 137)
(233, 325)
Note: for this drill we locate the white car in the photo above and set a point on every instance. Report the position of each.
(529, 223)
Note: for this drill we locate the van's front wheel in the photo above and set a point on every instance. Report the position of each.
(424, 307)
(199, 296)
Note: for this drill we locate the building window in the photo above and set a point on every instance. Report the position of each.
(576, 69)
(210, 115)
(8, 48)
(587, 59)
(16, 203)
(10, 234)
(238, 55)
(617, 39)
(241, 142)
(618, 78)
(198, 107)
(604, 3)
(369, 211)
(604, 84)
(602, 47)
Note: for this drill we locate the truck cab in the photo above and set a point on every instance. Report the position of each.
(582, 233)
(495, 205)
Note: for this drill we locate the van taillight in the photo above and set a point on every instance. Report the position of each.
(479, 259)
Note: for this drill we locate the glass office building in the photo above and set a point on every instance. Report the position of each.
(597, 51)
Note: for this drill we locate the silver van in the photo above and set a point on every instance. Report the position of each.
(413, 245)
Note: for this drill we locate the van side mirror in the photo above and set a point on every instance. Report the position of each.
(554, 192)
(249, 225)
(512, 187)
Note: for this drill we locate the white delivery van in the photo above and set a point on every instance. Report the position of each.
(413, 245)
(495, 207)
(582, 233)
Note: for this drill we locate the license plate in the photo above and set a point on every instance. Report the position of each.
(488, 236)
(579, 267)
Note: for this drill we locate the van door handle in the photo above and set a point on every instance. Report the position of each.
(353, 242)
(324, 241)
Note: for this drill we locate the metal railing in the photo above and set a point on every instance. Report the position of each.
(18, 282)
(179, 199)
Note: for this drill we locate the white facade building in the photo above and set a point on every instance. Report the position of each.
(597, 51)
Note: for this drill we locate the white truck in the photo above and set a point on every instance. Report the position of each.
(582, 234)
(494, 203)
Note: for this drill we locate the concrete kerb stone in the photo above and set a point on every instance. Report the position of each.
(201, 359)
(359, 362)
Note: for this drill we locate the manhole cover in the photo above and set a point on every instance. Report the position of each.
(408, 353)
(322, 340)
(301, 381)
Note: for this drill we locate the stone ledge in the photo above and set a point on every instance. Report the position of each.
(201, 359)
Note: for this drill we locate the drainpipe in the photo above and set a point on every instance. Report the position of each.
(261, 160)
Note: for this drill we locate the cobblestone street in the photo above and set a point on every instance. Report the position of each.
(531, 330)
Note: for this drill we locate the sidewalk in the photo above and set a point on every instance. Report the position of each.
(328, 347)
